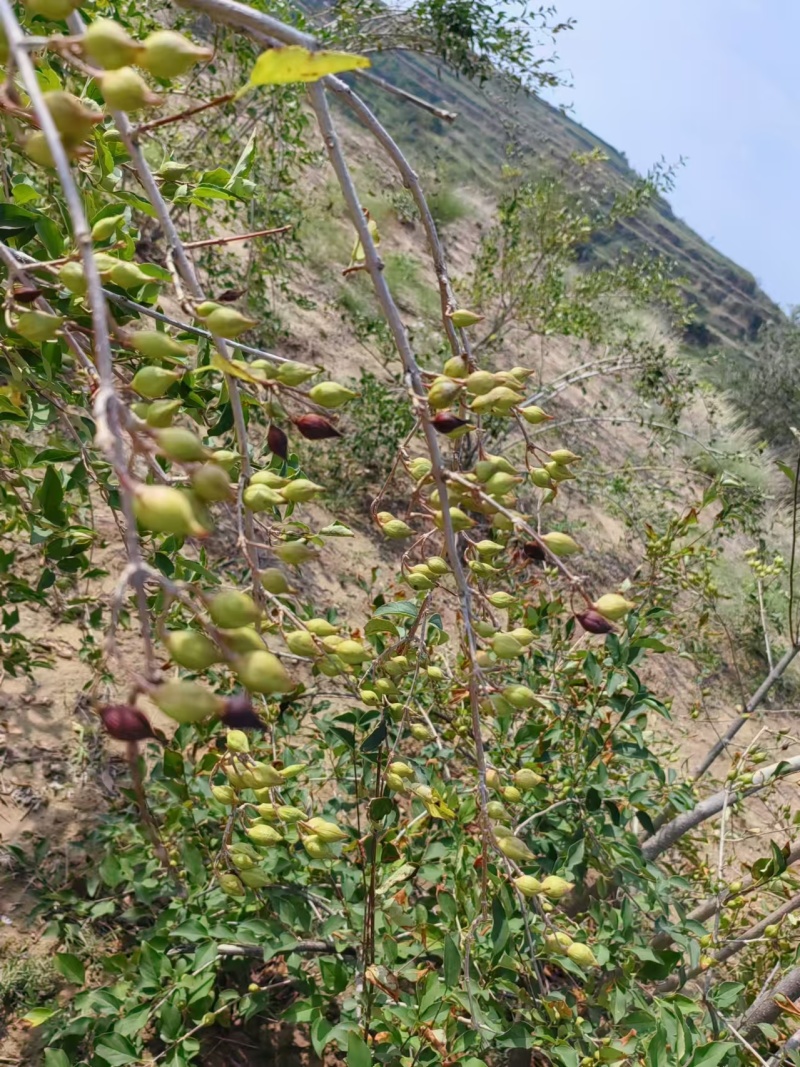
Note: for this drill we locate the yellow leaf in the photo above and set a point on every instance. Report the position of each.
(235, 370)
(358, 255)
(279, 66)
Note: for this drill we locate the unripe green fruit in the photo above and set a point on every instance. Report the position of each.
(436, 565)
(73, 120)
(330, 666)
(290, 815)
(515, 848)
(771, 930)
(561, 544)
(38, 150)
(558, 942)
(73, 277)
(242, 860)
(321, 627)
(735, 887)
(231, 609)
(534, 415)
(353, 652)
(293, 372)
(157, 345)
(394, 528)
(331, 394)
(236, 741)
(242, 639)
(505, 646)
(226, 459)
(555, 888)
(492, 778)
(191, 649)
(153, 382)
(502, 599)
(128, 276)
(332, 642)
(295, 553)
(420, 732)
(231, 885)
(526, 779)
(527, 885)
(38, 326)
(395, 782)
(225, 794)
(274, 581)
(458, 520)
(161, 412)
(258, 498)
(52, 9)
(501, 483)
(317, 848)
(401, 769)
(396, 666)
(292, 771)
(443, 392)
(301, 490)
(267, 836)
(563, 456)
(255, 878)
(480, 382)
(511, 794)
(186, 701)
(488, 549)
(613, 606)
(455, 367)
(263, 672)
(326, 831)
(523, 635)
(462, 317)
(211, 483)
(302, 643)
(168, 54)
(181, 445)
(228, 322)
(163, 509)
(519, 696)
(485, 629)
(435, 673)
(106, 227)
(396, 712)
(495, 810)
(420, 468)
(271, 479)
(557, 472)
(261, 775)
(254, 988)
(125, 90)
(107, 43)
(498, 401)
(419, 582)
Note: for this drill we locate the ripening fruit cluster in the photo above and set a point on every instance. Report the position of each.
(252, 789)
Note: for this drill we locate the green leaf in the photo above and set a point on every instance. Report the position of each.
(16, 220)
(115, 1050)
(409, 608)
(71, 967)
(37, 1016)
(133, 1021)
(373, 741)
(55, 1057)
(452, 962)
(358, 1053)
(712, 1054)
(50, 497)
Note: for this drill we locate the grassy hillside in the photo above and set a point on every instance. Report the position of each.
(729, 306)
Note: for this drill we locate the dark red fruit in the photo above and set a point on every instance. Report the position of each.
(126, 723)
(277, 442)
(532, 550)
(26, 294)
(230, 295)
(594, 622)
(447, 422)
(315, 427)
(238, 714)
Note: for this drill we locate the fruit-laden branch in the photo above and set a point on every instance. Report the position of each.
(713, 805)
(769, 1004)
(731, 947)
(106, 404)
(714, 904)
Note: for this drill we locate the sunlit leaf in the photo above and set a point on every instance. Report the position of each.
(281, 66)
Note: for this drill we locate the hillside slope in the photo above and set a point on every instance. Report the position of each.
(729, 305)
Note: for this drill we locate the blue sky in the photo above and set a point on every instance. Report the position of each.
(714, 81)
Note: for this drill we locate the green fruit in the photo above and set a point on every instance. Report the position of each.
(163, 509)
(74, 121)
(582, 955)
(526, 779)
(38, 150)
(511, 794)
(225, 794)
(255, 879)
(292, 372)
(73, 277)
(317, 848)
(321, 627)
(211, 483)
(125, 90)
(236, 741)
(241, 860)
(505, 646)
(563, 456)
(128, 276)
(352, 652)
(295, 552)
(231, 609)
(527, 885)
(326, 831)
(267, 836)
(271, 479)
(38, 326)
(613, 606)
(52, 9)
(181, 445)
(515, 848)
(153, 382)
(558, 942)
(191, 649)
(561, 544)
(228, 322)
(107, 43)
(230, 885)
(555, 888)
(534, 415)
(261, 498)
(462, 318)
(455, 367)
(243, 639)
(186, 701)
(443, 392)
(227, 459)
(274, 581)
(161, 412)
(420, 732)
(157, 345)
(168, 54)
(301, 490)
(262, 776)
(331, 394)
(263, 672)
(302, 643)
(519, 696)
(480, 382)
(501, 599)
(436, 565)
(106, 227)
